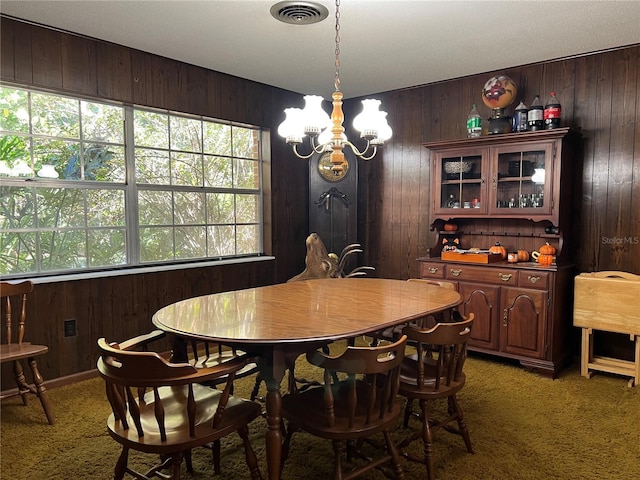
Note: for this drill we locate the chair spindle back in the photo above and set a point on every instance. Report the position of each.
(15, 296)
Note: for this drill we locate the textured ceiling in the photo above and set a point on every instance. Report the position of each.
(385, 45)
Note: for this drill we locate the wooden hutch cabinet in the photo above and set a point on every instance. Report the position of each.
(517, 190)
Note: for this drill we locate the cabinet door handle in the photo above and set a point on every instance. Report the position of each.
(494, 181)
(433, 270)
(505, 318)
(505, 277)
(533, 278)
(456, 273)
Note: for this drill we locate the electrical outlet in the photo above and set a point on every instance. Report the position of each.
(70, 327)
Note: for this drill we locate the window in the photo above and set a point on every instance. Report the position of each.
(74, 195)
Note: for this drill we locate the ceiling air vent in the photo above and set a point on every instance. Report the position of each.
(299, 13)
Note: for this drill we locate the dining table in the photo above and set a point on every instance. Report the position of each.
(277, 323)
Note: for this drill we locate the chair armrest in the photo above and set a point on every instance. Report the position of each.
(141, 340)
(352, 358)
(149, 369)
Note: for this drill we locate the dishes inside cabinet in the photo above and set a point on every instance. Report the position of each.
(454, 169)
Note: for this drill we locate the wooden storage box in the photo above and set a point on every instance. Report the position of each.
(471, 257)
(608, 301)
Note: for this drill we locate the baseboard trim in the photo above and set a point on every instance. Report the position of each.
(56, 382)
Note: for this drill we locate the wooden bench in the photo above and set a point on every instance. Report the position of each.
(608, 301)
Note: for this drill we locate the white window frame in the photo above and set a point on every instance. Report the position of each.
(133, 262)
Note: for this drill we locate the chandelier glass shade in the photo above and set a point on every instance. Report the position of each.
(326, 132)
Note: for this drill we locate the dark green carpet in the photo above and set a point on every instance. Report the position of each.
(523, 427)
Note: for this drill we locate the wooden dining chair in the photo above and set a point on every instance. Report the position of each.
(444, 316)
(15, 350)
(356, 401)
(393, 333)
(177, 413)
(209, 354)
(435, 373)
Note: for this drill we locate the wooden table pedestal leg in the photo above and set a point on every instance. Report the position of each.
(272, 371)
(274, 434)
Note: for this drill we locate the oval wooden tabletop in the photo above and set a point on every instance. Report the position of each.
(325, 309)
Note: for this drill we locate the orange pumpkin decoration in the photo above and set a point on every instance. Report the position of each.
(545, 256)
(545, 259)
(547, 249)
(523, 255)
(499, 249)
(450, 227)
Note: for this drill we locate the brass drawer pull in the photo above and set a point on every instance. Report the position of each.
(433, 270)
(533, 279)
(505, 277)
(456, 273)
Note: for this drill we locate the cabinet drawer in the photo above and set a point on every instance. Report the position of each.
(431, 270)
(532, 279)
(496, 276)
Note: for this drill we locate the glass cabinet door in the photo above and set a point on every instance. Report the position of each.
(521, 182)
(460, 182)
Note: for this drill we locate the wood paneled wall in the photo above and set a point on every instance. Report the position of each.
(600, 93)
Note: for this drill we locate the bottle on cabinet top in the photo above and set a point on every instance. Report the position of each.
(520, 118)
(552, 112)
(474, 123)
(535, 116)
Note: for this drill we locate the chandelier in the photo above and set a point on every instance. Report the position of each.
(326, 134)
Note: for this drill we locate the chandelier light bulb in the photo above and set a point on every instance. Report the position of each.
(314, 117)
(292, 128)
(366, 122)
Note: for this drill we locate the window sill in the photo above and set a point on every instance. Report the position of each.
(138, 270)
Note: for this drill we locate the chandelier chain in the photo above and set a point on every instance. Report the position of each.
(337, 77)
